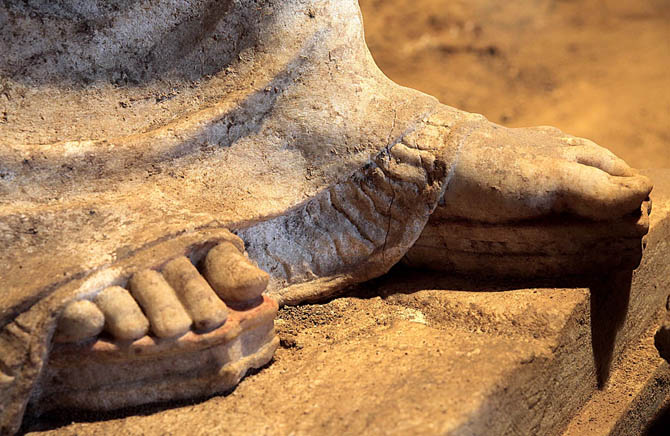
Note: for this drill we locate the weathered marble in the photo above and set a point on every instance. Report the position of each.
(144, 131)
(80, 320)
(430, 353)
(206, 310)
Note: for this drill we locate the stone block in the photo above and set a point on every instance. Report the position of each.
(426, 353)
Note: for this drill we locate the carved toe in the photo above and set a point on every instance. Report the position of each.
(206, 309)
(168, 336)
(81, 320)
(168, 318)
(233, 276)
(124, 319)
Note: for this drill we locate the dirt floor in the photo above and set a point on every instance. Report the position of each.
(594, 68)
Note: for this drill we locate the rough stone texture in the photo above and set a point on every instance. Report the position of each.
(625, 310)
(426, 353)
(662, 341)
(420, 363)
(253, 112)
(107, 376)
(541, 248)
(638, 389)
(272, 120)
(209, 159)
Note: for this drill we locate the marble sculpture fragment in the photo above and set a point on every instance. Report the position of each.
(170, 172)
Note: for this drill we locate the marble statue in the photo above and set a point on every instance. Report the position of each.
(169, 172)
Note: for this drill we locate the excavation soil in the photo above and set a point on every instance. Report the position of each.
(597, 69)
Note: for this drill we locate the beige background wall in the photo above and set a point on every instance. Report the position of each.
(594, 68)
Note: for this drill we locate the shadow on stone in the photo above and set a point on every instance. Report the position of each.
(187, 49)
(660, 424)
(57, 418)
(395, 282)
(610, 296)
(609, 299)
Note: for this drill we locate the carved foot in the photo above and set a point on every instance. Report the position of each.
(272, 120)
(169, 333)
(535, 202)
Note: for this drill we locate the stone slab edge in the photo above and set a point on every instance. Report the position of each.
(639, 386)
(543, 395)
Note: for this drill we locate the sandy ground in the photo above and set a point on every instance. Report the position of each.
(594, 68)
